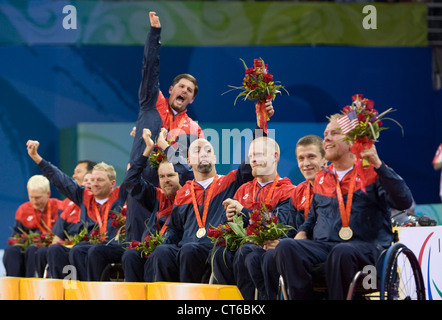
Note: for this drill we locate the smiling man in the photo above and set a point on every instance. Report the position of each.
(159, 201)
(95, 205)
(310, 156)
(349, 227)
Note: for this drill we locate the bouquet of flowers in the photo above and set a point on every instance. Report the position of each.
(23, 239)
(361, 124)
(94, 237)
(26, 239)
(231, 235)
(264, 226)
(43, 239)
(258, 85)
(119, 223)
(157, 155)
(148, 245)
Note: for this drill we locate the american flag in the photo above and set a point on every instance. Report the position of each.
(348, 122)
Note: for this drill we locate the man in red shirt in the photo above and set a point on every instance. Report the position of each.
(39, 214)
(346, 235)
(267, 188)
(95, 205)
(310, 155)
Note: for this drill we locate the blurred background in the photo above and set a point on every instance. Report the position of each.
(70, 79)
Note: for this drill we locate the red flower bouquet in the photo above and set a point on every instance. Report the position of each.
(231, 235)
(157, 155)
(361, 124)
(26, 239)
(23, 239)
(148, 245)
(119, 223)
(258, 85)
(264, 226)
(43, 239)
(94, 237)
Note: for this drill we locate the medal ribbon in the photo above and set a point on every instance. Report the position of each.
(345, 210)
(307, 201)
(163, 229)
(48, 223)
(104, 212)
(162, 213)
(202, 223)
(269, 196)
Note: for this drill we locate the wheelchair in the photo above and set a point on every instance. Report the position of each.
(399, 277)
(113, 272)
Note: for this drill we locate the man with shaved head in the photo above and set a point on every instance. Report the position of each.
(267, 190)
(183, 256)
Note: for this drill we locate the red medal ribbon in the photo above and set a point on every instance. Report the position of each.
(202, 222)
(104, 212)
(307, 201)
(162, 213)
(163, 229)
(345, 210)
(269, 196)
(48, 223)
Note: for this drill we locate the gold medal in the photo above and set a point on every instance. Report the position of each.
(201, 232)
(202, 222)
(345, 233)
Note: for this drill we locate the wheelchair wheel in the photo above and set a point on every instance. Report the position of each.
(401, 277)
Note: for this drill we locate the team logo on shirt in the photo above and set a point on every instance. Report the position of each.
(187, 192)
(303, 200)
(245, 196)
(30, 218)
(321, 181)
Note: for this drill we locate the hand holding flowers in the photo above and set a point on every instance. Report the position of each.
(231, 235)
(361, 123)
(263, 228)
(94, 237)
(119, 223)
(155, 151)
(150, 242)
(258, 85)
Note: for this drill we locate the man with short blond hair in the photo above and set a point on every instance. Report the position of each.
(39, 214)
(266, 189)
(95, 205)
(310, 158)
